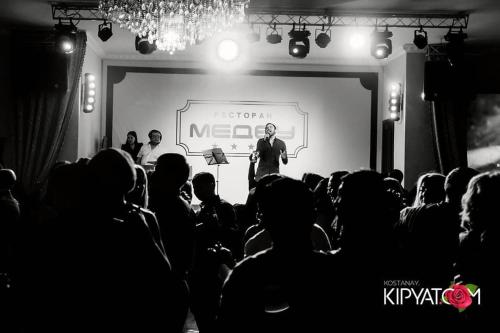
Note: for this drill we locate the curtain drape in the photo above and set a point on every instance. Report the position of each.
(45, 91)
(450, 132)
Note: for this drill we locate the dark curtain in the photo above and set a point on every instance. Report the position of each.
(44, 91)
(450, 132)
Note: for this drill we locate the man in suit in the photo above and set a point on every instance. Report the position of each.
(269, 151)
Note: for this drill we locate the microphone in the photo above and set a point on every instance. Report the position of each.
(266, 137)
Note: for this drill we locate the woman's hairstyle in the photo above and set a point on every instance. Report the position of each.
(430, 189)
(134, 134)
(480, 202)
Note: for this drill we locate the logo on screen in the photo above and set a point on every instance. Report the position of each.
(235, 126)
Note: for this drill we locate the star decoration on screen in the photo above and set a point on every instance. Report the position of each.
(233, 146)
(251, 147)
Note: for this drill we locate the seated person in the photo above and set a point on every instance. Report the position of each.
(132, 146)
(150, 152)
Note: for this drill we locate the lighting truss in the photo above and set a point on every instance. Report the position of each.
(436, 52)
(78, 11)
(280, 17)
(427, 21)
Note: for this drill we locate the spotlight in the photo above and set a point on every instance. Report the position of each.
(420, 39)
(298, 46)
(105, 31)
(65, 37)
(143, 45)
(324, 38)
(273, 37)
(228, 50)
(381, 45)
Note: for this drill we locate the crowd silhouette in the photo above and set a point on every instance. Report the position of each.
(110, 247)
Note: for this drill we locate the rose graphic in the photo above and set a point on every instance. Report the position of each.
(459, 296)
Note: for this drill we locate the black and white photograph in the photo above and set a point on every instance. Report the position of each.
(245, 166)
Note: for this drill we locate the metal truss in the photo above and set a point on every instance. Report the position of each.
(436, 52)
(89, 11)
(457, 21)
(78, 11)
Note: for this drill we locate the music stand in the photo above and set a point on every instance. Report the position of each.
(215, 157)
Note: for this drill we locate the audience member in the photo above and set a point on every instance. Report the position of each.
(285, 288)
(101, 267)
(479, 246)
(175, 216)
(216, 231)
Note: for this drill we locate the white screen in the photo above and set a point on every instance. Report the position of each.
(338, 111)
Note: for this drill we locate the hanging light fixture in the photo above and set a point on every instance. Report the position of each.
(273, 36)
(65, 37)
(174, 24)
(323, 38)
(381, 45)
(298, 46)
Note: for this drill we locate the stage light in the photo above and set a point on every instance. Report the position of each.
(298, 47)
(381, 45)
(228, 50)
(273, 37)
(395, 101)
(144, 46)
(88, 95)
(105, 31)
(65, 37)
(323, 38)
(420, 38)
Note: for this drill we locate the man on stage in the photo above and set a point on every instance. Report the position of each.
(150, 152)
(269, 150)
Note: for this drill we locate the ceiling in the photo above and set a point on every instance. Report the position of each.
(482, 29)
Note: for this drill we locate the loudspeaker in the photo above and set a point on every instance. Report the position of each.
(45, 70)
(437, 80)
(57, 72)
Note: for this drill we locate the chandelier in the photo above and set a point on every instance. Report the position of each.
(174, 24)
